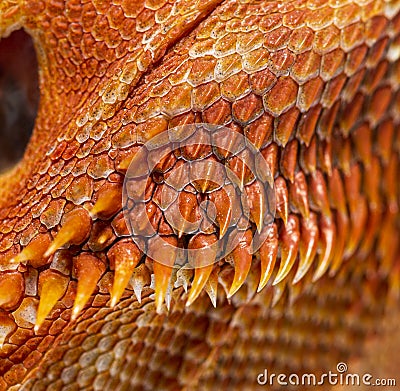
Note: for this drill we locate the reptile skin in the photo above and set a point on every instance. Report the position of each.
(313, 84)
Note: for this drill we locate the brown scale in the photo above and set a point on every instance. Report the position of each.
(314, 88)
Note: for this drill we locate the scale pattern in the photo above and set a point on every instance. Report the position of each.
(313, 84)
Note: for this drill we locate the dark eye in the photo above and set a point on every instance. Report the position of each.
(19, 96)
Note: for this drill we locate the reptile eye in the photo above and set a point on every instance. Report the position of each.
(19, 96)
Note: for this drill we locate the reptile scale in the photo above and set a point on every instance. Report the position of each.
(313, 85)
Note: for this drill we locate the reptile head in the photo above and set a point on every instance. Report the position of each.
(88, 216)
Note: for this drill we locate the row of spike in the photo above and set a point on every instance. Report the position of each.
(333, 235)
(125, 256)
(52, 285)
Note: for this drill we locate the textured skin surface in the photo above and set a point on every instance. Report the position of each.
(313, 84)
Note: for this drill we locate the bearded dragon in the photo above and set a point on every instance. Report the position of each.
(313, 85)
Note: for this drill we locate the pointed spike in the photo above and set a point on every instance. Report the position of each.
(325, 157)
(268, 254)
(52, 287)
(239, 170)
(308, 246)
(162, 275)
(358, 218)
(319, 192)
(211, 286)
(270, 154)
(252, 281)
(171, 283)
(137, 289)
(278, 291)
(260, 132)
(202, 255)
(226, 275)
(188, 212)
(209, 172)
(299, 194)
(285, 127)
(388, 242)
(108, 201)
(327, 242)
(308, 156)
(34, 251)
(264, 167)
(123, 256)
(372, 188)
(290, 238)
(223, 205)
(342, 223)
(201, 276)
(362, 138)
(242, 257)
(161, 253)
(288, 161)
(88, 270)
(282, 199)
(223, 225)
(371, 231)
(75, 229)
(336, 191)
(391, 178)
(352, 184)
(258, 203)
(183, 277)
(140, 278)
(205, 184)
(385, 139)
(345, 152)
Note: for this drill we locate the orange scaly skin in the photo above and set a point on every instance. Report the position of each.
(313, 84)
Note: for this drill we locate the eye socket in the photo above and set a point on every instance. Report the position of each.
(19, 96)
